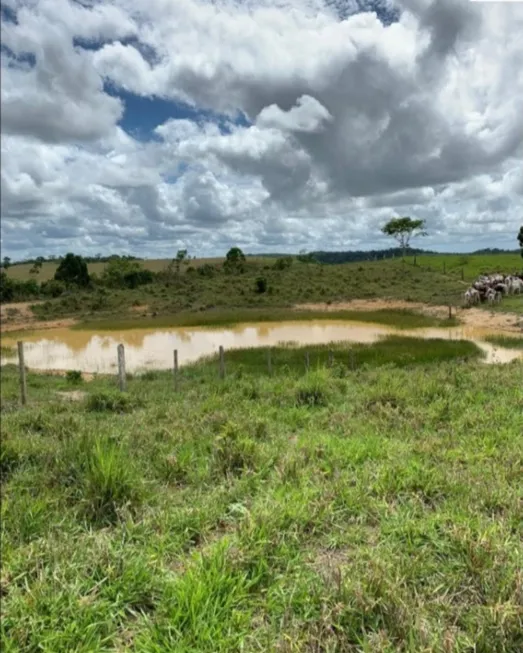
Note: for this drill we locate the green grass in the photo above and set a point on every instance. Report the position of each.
(472, 265)
(300, 284)
(401, 319)
(392, 350)
(7, 350)
(510, 342)
(368, 510)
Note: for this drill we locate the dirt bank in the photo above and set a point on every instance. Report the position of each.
(473, 317)
(20, 317)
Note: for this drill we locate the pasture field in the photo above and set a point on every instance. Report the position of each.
(374, 509)
(301, 283)
(21, 271)
(470, 265)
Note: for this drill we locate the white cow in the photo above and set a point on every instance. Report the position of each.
(472, 297)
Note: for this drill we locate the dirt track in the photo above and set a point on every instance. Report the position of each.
(473, 317)
(24, 319)
(20, 317)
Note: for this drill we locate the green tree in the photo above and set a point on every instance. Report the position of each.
(73, 270)
(181, 256)
(234, 260)
(123, 272)
(403, 229)
(37, 265)
(7, 262)
(520, 239)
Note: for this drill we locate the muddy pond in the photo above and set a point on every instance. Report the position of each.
(145, 349)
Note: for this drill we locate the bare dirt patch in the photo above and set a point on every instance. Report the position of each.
(19, 317)
(472, 317)
(86, 376)
(72, 395)
(141, 308)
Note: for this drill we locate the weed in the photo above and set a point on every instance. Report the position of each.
(74, 377)
(313, 390)
(233, 451)
(116, 402)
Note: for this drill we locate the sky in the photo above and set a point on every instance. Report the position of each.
(146, 126)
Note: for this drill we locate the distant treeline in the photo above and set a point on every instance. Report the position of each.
(393, 252)
(367, 255)
(320, 256)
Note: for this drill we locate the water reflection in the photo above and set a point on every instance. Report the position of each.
(89, 351)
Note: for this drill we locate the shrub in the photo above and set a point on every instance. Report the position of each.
(261, 285)
(103, 478)
(283, 263)
(73, 376)
(116, 402)
(53, 288)
(206, 270)
(312, 390)
(233, 451)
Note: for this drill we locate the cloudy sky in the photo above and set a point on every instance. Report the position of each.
(277, 125)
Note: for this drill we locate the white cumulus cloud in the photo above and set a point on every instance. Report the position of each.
(311, 123)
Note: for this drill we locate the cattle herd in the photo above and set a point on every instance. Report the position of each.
(491, 288)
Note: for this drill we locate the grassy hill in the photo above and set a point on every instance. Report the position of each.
(204, 288)
(375, 510)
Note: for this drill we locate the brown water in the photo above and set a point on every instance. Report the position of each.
(95, 351)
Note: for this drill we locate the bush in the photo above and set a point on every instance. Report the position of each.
(206, 270)
(53, 288)
(116, 402)
(312, 390)
(233, 451)
(73, 376)
(261, 285)
(104, 481)
(283, 263)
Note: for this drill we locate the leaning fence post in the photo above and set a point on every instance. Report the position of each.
(21, 366)
(222, 363)
(121, 368)
(450, 312)
(175, 370)
(269, 361)
(307, 361)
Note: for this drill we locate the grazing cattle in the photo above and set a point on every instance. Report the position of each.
(515, 285)
(491, 296)
(472, 297)
(491, 288)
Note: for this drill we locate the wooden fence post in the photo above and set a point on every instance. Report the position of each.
(307, 361)
(352, 360)
(269, 361)
(222, 363)
(122, 381)
(330, 358)
(463, 274)
(175, 370)
(21, 366)
(450, 311)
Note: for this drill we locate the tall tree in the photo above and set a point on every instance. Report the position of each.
(181, 256)
(234, 260)
(73, 270)
(520, 239)
(403, 229)
(7, 262)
